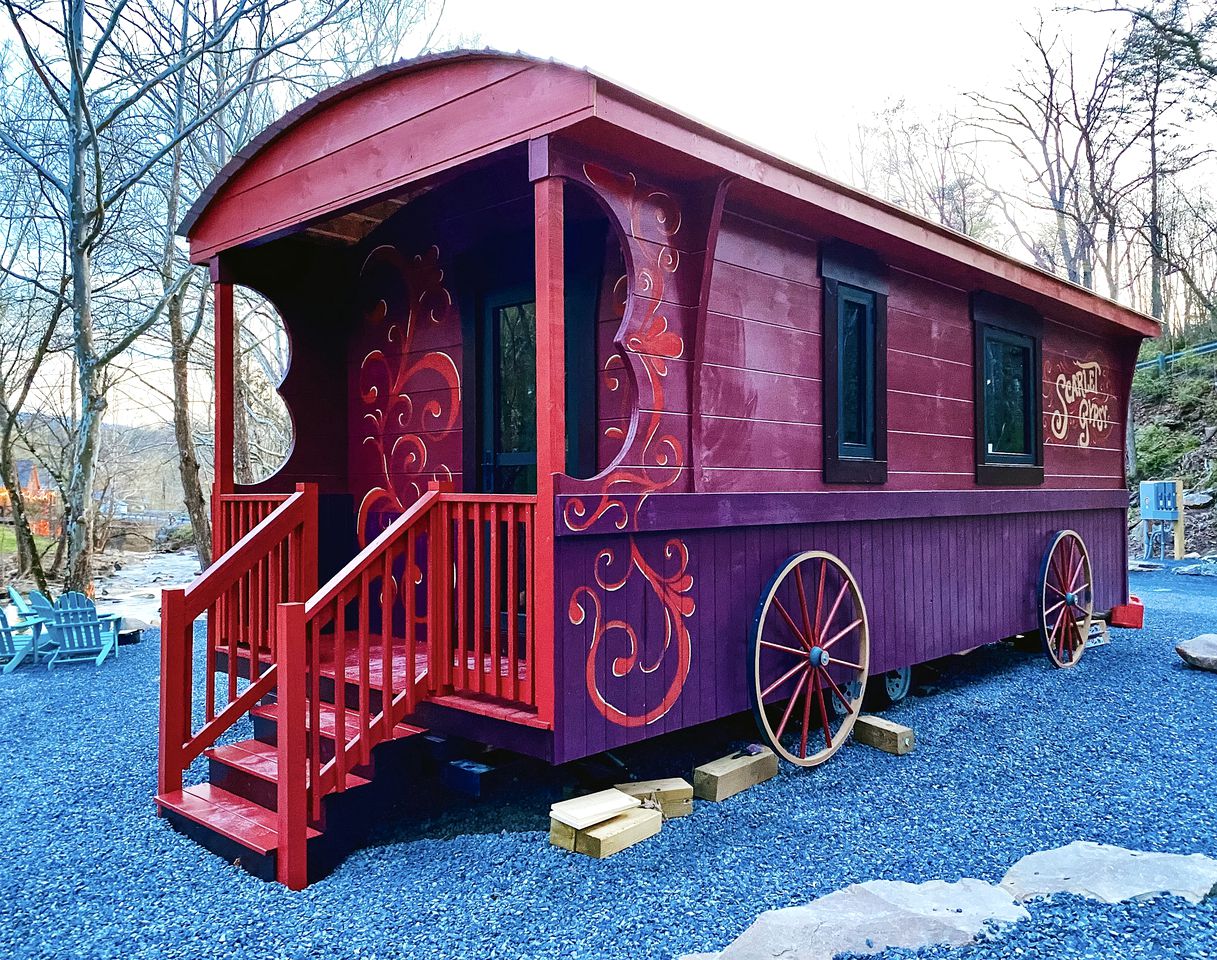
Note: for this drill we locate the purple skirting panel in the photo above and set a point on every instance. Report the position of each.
(653, 623)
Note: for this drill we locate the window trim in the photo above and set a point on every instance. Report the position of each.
(1009, 320)
(853, 271)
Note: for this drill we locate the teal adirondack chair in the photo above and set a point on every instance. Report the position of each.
(73, 625)
(26, 611)
(18, 641)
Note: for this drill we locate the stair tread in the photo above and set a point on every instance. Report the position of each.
(229, 815)
(489, 706)
(329, 721)
(262, 760)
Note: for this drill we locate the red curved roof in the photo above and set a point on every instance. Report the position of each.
(399, 124)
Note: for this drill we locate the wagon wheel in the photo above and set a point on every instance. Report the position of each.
(809, 649)
(897, 683)
(1066, 599)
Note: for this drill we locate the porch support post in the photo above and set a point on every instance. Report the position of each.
(224, 361)
(551, 426)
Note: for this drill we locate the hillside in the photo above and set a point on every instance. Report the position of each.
(1175, 415)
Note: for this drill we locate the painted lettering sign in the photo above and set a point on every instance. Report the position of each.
(1079, 403)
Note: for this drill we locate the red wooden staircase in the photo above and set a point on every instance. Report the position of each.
(328, 680)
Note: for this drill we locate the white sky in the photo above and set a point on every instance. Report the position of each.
(781, 74)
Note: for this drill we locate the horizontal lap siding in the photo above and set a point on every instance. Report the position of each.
(760, 419)
(760, 396)
(932, 587)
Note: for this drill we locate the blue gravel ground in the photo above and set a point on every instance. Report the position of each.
(1012, 757)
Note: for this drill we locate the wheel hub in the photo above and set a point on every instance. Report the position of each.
(818, 657)
(1071, 599)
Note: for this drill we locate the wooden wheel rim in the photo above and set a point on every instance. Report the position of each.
(813, 681)
(1066, 599)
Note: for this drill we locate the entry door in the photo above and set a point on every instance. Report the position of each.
(509, 393)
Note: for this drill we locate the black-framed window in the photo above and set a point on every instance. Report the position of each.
(1008, 375)
(855, 365)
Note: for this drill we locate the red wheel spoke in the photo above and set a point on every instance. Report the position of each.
(778, 646)
(806, 719)
(1052, 587)
(1055, 606)
(849, 707)
(838, 636)
(798, 582)
(833, 612)
(846, 663)
(782, 679)
(823, 712)
(820, 595)
(790, 623)
(1073, 577)
(790, 706)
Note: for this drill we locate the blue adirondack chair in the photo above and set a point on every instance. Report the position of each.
(18, 641)
(73, 625)
(23, 606)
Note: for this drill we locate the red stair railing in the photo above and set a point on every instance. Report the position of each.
(486, 642)
(275, 562)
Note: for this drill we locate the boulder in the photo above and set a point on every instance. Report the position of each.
(1198, 500)
(1111, 874)
(870, 917)
(1205, 568)
(1200, 652)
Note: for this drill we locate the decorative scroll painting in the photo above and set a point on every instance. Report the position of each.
(652, 457)
(629, 651)
(409, 384)
(1078, 402)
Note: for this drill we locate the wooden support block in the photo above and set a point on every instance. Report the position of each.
(673, 794)
(884, 735)
(561, 834)
(723, 778)
(587, 811)
(604, 839)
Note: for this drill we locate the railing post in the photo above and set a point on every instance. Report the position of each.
(551, 424)
(177, 645)
(291, 867)
(308, 545)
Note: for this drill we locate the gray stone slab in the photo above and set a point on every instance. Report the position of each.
(870, 917)
(1111, 874)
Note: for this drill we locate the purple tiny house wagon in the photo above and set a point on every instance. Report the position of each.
(607, 425)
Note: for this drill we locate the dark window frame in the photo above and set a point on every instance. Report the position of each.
(995, 317)
(853, 275)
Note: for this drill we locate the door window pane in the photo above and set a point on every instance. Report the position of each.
(517, 326)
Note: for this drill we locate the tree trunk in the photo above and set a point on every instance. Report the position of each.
(183, 429)
(78, 505)
(28, 561)
(241, 465)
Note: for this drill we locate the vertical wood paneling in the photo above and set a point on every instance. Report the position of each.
(932, 586)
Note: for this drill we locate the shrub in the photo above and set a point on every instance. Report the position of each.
(1159, 451)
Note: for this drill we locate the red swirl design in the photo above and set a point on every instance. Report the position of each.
(672, 592)
(409, 293)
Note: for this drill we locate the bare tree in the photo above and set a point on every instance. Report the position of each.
(98, 64)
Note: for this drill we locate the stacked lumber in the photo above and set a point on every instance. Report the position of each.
(601, 824)
(672, 795)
